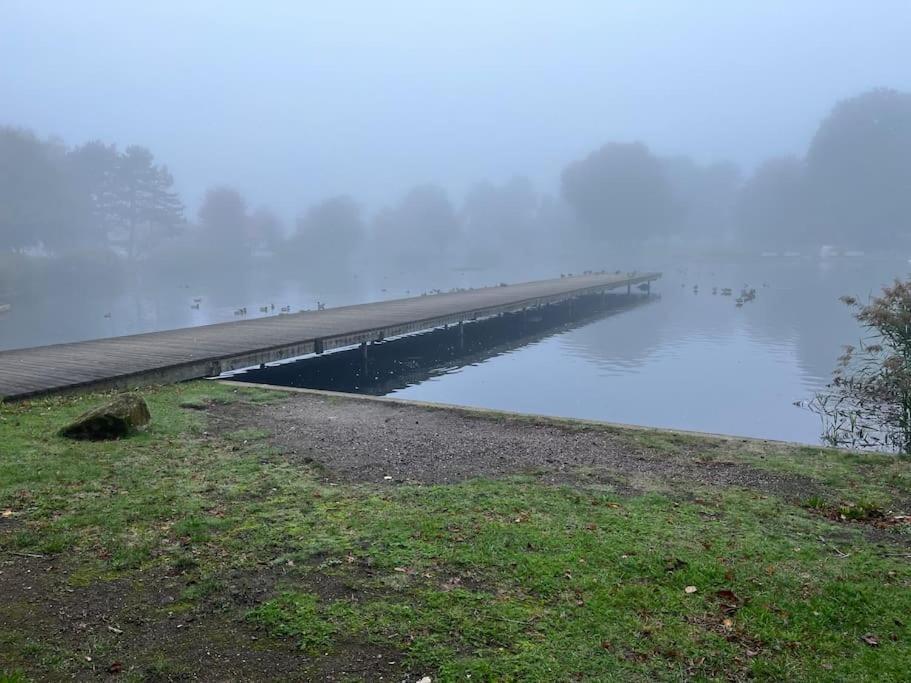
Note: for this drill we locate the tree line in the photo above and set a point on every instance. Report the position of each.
(849, 189)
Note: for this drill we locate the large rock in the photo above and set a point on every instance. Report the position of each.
(120, 417)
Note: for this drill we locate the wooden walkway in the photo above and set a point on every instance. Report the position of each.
(177, 355)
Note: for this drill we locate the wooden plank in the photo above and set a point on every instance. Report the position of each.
(174, 355)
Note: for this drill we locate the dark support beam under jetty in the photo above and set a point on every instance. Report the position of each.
(193, 352)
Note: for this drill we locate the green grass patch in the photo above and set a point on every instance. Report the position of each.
(496, 580)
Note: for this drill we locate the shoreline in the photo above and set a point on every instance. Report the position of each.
(518, 415)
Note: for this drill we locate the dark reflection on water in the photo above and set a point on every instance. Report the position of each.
(395, 364)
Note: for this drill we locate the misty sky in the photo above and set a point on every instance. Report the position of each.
(294, 101)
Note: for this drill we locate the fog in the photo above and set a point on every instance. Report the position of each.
(293, 154)
(293, 102)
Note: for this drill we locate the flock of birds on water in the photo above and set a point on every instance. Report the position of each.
(746, 295)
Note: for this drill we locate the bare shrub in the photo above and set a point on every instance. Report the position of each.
(868, 402)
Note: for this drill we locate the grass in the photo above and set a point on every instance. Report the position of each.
(496, 580)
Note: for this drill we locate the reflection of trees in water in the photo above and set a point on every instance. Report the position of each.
(798, 311)
(626, 340)
(802, 303)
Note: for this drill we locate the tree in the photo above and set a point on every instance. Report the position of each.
(704, 197)
(38, 204)
(223, 217)
(419, 231)
(620, 192)
(771, 209)
(858, 170)
(143, 205)
(868, 403)
(328, 235)
(93, 169)
(265, 228)
(497, 217)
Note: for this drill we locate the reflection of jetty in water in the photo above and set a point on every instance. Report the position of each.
(383, 367)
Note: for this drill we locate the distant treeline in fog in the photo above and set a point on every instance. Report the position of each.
(96, 212)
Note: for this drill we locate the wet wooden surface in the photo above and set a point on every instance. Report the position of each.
(175, 355)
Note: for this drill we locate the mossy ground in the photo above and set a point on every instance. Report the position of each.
(111, 552)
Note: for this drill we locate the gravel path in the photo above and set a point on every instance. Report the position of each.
(363, 440)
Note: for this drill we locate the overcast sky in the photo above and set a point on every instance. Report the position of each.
(293, 101)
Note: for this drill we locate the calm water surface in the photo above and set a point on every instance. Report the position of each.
(692, 360)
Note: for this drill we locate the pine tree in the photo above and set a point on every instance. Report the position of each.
(144, 206)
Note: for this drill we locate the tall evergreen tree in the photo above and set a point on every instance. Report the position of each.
(144, 206)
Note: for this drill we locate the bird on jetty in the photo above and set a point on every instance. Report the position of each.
(107, 315)
(195, 307)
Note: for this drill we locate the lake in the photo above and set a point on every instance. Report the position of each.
(692, 360)
(689, 360)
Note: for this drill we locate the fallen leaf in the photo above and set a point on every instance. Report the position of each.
(6, 513)
(870, 639)
(115, 668)
(727, 623)
(752, 653)
(690, 589)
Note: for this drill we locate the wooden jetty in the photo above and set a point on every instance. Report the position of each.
(209, 350)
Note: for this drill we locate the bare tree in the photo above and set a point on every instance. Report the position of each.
(868, 402)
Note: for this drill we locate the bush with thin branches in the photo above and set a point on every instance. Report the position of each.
(868, 402)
